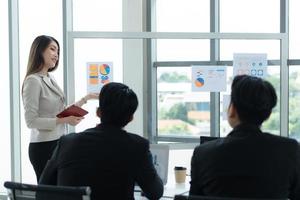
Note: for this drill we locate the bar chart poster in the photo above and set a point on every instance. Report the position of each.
(250, 64)
(98, 74)
(208, 78)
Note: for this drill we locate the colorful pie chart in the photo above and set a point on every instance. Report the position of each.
(199, 82)
(104, 69)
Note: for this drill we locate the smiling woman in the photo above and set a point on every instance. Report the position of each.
(43, 99)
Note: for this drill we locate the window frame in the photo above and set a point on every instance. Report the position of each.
(284, 62)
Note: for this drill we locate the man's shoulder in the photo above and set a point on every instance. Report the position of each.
(68, 137)
(137, 138)
(73, 136)
(280, 139)
(209, 146)
(130, 137)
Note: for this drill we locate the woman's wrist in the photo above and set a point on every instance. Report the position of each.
(60, 121)
(84, 99)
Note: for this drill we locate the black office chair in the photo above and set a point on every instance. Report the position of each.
(192, 197)
(22, 191)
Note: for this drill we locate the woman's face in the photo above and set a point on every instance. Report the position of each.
(50, 55)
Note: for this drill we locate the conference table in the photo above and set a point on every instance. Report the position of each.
(170, 189)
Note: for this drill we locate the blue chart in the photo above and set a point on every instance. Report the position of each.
(98, 74)
(104, 69)
(208, 78)
(199, 82)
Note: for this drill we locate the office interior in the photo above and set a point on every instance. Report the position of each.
(152, 45)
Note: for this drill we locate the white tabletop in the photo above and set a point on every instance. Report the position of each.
(170, 189)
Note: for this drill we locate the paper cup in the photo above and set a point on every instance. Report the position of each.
(180, 174)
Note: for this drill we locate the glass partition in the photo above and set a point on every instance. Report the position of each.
(35, 20)
(5, 167)
(180, 111)
(95, 15)
(95, 51)
(294, 99)
(250, 16)
(182, 50)
(182, 15)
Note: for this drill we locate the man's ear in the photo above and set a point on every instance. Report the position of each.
(98, 112)
(232, 115)
(231, 112)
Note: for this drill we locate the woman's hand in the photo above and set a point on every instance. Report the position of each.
(91, 96)
(87, 97)
(71, 120)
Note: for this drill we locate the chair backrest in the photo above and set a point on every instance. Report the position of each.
(22, 191)
(204, 139)
(192, 197)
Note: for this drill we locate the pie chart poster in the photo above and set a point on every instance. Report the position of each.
(208, 78)
(98, 74)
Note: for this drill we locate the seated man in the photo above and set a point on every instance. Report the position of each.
(106, 158)
(248, 163)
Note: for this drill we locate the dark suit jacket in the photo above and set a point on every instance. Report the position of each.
(108, 159)
(247, 163)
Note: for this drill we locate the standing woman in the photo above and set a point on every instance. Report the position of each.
(43, 100)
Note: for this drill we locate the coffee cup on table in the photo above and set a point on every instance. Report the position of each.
(180, 174)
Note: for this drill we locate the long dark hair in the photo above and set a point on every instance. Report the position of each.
(36, 59)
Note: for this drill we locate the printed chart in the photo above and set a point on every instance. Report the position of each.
(98, 74)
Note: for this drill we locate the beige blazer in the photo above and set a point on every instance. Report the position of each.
(43, 100)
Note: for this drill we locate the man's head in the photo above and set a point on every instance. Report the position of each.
(117, 104)
(252, 100)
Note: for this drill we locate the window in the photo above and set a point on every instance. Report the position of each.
(5, 167)
(250, 16)
(95, 50)
(95, 15)
(36, 18)
(294, 98)
(229, 47)
(182, 50)
(181, 112)
(294, 30)
(177, 114)
(182, 16)
(294, 71)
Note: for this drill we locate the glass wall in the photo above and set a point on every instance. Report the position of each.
(294, 29)
(294, 71)
(183, 113)
(272, 49)
(95, 15)
(180, 112)
(182, 16)
(36, 18)
(5, 167)
(95, 51)
(294, 99)
(250, 16)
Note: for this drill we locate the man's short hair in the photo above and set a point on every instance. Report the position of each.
(117, 103)
(253, 98)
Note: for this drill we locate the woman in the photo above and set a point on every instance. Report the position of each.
(43, 100)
